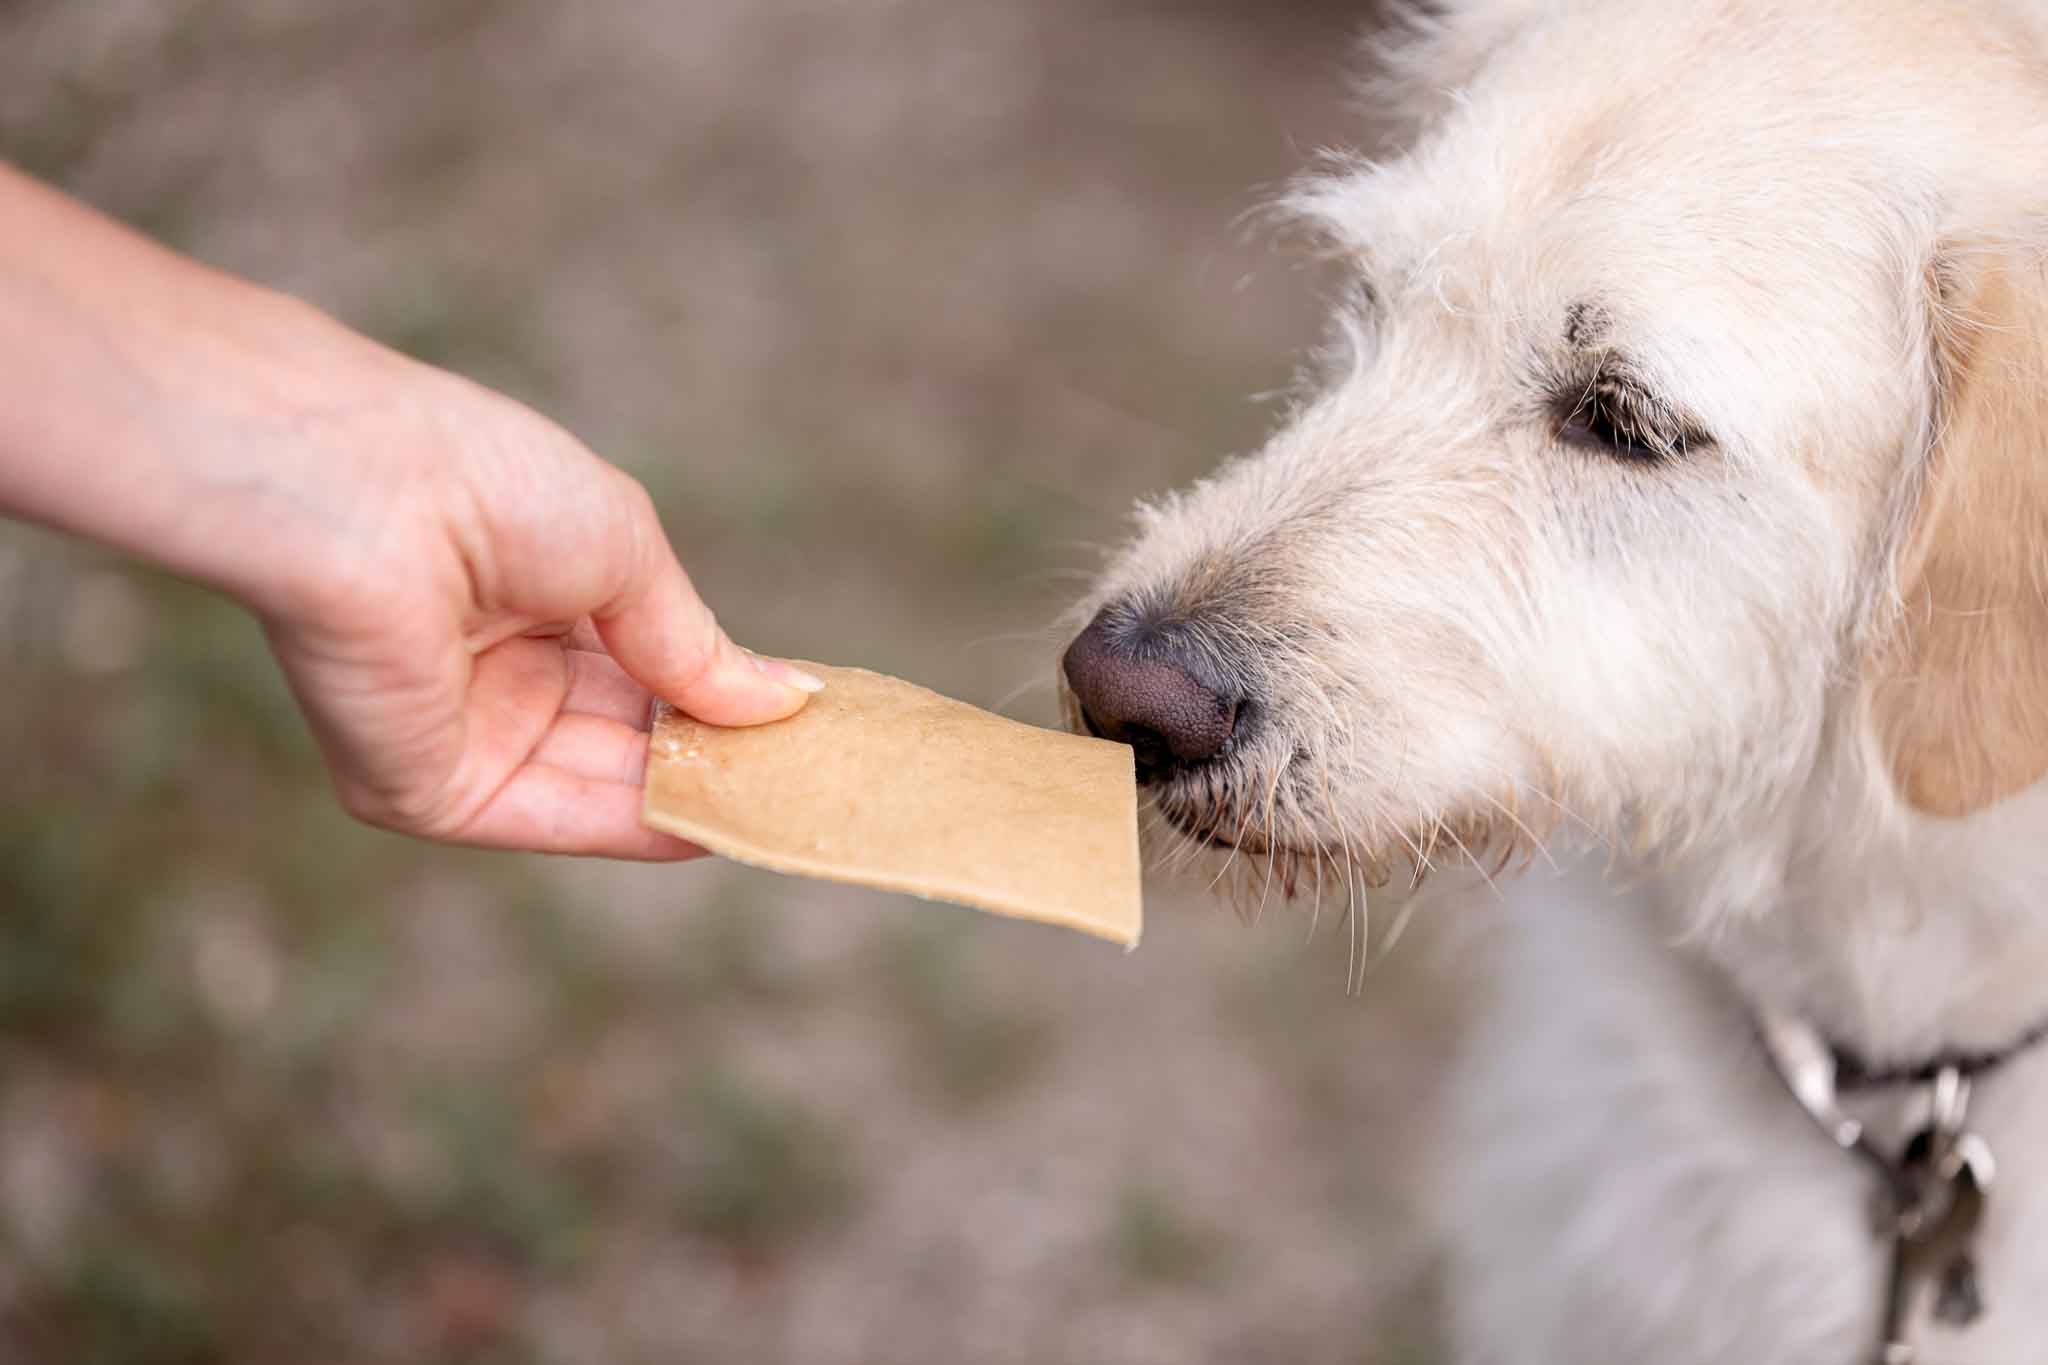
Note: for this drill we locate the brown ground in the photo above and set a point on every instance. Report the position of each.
(897, 305)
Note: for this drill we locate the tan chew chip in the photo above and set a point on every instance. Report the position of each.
(881, 783)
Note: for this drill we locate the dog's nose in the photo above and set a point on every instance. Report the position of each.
(1137, 688)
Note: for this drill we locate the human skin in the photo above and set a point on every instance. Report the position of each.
(473, 610)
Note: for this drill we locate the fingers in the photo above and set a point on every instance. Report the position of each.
(575, 780)
(662, 634)
(599, 687)
(594, 747)
(550, 810)
(551, 630)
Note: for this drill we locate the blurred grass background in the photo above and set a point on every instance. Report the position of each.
(896, 305)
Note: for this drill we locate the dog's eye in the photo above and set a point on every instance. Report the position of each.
(1595, 427)
(1624, 422)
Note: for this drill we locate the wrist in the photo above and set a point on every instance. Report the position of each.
(178, 414)
(286, 430)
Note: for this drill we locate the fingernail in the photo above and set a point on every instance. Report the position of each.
(788, 674)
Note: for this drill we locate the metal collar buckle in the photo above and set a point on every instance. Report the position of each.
(1934, 1190)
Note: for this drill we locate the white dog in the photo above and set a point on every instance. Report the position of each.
(1675, 491)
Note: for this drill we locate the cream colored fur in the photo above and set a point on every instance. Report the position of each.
(1767, 714)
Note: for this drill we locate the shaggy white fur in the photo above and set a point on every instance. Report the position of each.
(1672, 501)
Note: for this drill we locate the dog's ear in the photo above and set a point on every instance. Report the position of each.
(1961, 703)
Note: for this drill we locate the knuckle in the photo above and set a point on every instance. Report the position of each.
(364, 805)
(411, 812)
(643, 518)
(697, 652)
(639, 498)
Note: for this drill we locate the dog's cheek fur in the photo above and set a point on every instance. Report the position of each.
(1672, 669)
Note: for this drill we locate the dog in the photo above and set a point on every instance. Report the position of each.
(1663, 533)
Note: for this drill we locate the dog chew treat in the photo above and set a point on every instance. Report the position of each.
(881, 783)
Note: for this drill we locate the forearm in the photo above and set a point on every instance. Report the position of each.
(152, 404)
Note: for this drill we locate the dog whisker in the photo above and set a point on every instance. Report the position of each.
(1397, 929)
(1355, 915)
(1477, 866)
(1018, 693)
(1512, 809)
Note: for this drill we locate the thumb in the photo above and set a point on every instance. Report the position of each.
(663, 634)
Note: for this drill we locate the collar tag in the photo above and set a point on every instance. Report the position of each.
(1935, 1189)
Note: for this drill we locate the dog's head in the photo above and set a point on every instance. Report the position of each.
(1683, 423)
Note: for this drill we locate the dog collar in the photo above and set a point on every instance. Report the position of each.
(1853, 1074)
(1935, 1187)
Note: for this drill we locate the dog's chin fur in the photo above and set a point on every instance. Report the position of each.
(1764, 675)
(1262, 825)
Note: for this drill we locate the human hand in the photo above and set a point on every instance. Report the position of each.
(483, 672)
(473, 610)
